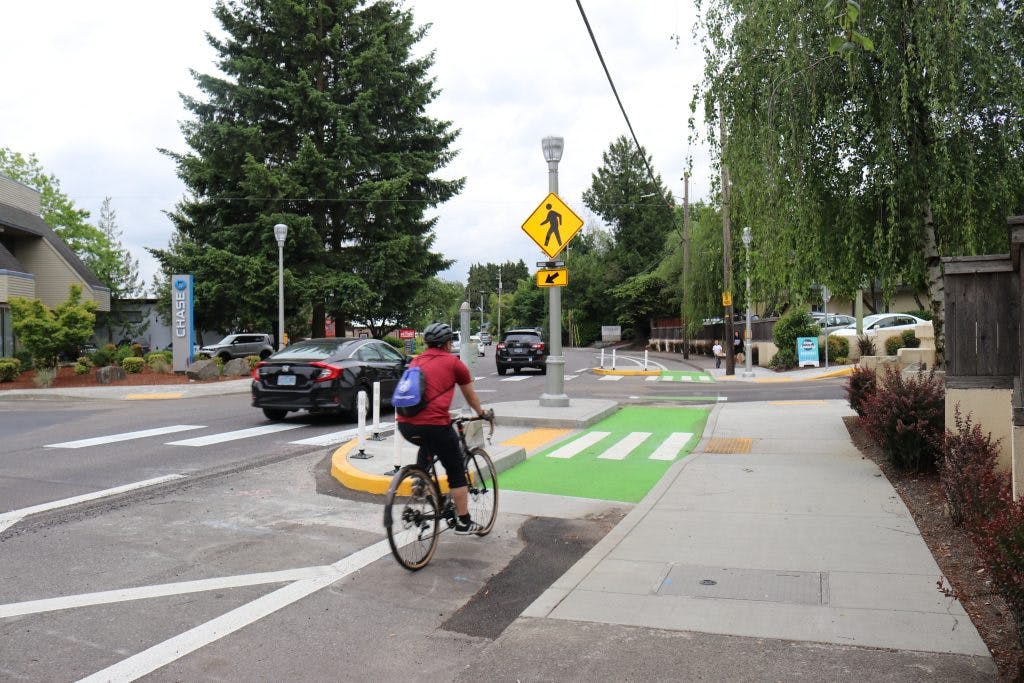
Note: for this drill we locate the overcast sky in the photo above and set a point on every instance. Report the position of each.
(91, 88)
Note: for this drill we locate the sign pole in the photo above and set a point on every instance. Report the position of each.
(554, 396)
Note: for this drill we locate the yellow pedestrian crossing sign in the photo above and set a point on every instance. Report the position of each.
(552, 225)
(555, 277)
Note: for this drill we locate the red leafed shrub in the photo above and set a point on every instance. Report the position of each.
(859, 387)
(906, 416)
(1000, 543)
(974, 488)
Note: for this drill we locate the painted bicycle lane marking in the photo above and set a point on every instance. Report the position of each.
(618, 459)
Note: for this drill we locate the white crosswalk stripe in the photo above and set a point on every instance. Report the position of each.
(235, 435)
(670, 447)
(515, 378)
(125, 436)
(578, 446)
(570, 377)
(611, 378)
(620, 450)
(332, 438)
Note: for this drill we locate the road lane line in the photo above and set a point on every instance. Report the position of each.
(18, 609)
(332, 438)
(515, 378)
(610, 378)
(175, 648)
(670, 447)
(126, 436)
(235, 435)
(14, 516)
(569, 378)
(624, 447)
(575, 447)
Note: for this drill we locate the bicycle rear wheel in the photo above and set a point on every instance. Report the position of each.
(483, 489)
(412, 508)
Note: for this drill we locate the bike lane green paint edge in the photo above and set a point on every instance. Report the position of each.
(687, 376)
(586, 475)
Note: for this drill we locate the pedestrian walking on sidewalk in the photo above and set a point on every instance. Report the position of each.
(718, 352)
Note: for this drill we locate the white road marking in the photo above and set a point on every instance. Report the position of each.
(235, 435)
(704, 378)
(575, 447)
(611, 378)
(670, 447)
(177, 647)
(620, 450)
(126, 436)
(570, 377)
(515, 378)
(654, 378)
(18, 609)
(477, 379)
(485, 391)
(332, 438)
(582, 370)
(14, 516)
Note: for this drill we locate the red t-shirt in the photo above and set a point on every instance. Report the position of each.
(442, 371)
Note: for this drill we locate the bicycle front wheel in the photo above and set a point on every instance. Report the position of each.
(483, 489)
(411, 513)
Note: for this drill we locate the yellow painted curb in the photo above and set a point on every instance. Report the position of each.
(142, 397)
(841, 372)
(603, 371)
(536, 438)
(354, 478)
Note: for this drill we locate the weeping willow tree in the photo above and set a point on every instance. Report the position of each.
(865, 141)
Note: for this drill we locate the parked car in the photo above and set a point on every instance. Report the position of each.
(520, 349)
(881, 323)
(835, 320)
(456, 342)
(325, 376)
(240, 346)
(485, 338)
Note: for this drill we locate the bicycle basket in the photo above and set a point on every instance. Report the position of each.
(474, 432)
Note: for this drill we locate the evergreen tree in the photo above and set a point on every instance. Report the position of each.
(316, 121)
(114, 265)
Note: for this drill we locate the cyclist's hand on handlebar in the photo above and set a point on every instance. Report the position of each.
(488, 415)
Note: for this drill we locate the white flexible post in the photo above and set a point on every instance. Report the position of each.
(361, 419)
(602, 359)
(645, 360)
(613, 359)
(397, 437)
(376, 408)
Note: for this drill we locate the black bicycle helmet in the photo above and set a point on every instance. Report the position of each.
(437, 334)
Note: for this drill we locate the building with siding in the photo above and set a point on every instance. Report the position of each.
(34, 262)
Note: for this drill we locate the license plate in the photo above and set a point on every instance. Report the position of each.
(286, 380)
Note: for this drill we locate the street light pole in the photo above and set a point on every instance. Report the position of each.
(554, 396)
(497, 337)
(747, 361)
(280, 233)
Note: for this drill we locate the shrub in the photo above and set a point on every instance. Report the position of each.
(906, 416)
(122, 352)
(394, 341)
(44, 377)
(999, 540)
(159, 363)
(974, 488)
(82, 369)
(104, 355)
(842, 360)
(253, 361)
(9, 369)
(784, 359)
(892, 345)
(866, 346)
(165, 356)
(84, 360)
(860, 387)
(794, 324)
(910, 339)
(837, 346)
(133, 364)
(923, 314)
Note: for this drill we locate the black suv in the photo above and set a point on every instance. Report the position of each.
(521, 349)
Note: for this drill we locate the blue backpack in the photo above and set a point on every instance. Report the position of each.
(408, 399)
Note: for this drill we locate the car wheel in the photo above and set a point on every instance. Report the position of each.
(263, 354)
(274, 414)
(224, 357)
(502, 369)
(543, 369)
(515, 371)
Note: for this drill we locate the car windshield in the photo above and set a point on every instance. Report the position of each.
(315, 349)
(521, 338)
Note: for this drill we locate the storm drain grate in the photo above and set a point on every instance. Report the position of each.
(729, 445)
(763, 585)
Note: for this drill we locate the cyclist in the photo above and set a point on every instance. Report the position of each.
(431, 428)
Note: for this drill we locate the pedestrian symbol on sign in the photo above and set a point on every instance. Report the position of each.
(553, 220)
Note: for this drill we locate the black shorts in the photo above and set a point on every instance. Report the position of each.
(440, 441)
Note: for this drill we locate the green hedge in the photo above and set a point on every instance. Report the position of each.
(10, 368)
(133, 364)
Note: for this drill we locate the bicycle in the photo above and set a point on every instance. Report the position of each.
(414, 507)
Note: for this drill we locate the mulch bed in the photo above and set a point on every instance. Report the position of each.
(66, 378)
(954, 553)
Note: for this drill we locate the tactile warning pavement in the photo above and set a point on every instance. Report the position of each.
(729, 445)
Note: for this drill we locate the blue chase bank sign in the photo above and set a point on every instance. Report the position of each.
(182, 329)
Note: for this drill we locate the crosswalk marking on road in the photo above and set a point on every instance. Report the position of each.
(235, 435)
(125, 436)
(568, 378)
(670, 447)
(341, 437)
(620, 450)
(611, 378)
(578, 446)
(515, 378)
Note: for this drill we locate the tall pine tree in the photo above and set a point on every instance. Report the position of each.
(318, 122)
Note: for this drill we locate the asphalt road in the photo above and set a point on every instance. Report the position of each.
(243, 559)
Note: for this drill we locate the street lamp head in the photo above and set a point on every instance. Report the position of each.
(280, 233)
(552, 147)
(746, 235)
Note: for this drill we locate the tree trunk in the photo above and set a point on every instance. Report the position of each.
(319, 323)
(933, 280)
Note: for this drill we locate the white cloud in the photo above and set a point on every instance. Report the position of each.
(92, 90)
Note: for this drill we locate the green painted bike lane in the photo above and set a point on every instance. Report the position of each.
(627, 471)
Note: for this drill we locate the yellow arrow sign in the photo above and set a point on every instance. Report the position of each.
(552, 225)
(557, 277)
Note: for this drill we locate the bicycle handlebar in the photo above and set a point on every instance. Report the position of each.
(488, 417)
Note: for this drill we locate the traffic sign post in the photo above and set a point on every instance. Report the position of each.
(558, 277)
(552, 225)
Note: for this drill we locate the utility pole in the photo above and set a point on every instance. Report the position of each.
(730, 355)
(498, 335)
(686, 266)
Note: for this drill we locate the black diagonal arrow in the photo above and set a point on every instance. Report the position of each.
(551, 278)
